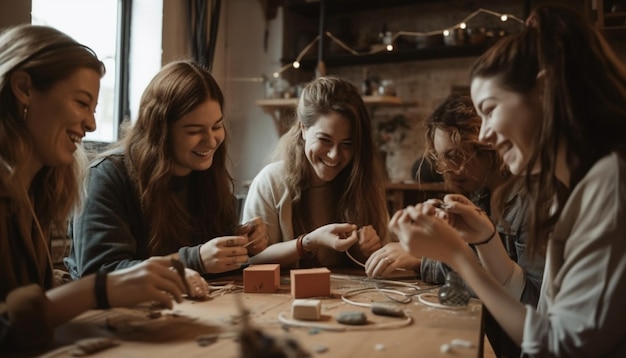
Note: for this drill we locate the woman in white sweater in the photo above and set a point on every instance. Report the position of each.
(325, 193)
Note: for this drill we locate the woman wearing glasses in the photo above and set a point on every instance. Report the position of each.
(475, 170)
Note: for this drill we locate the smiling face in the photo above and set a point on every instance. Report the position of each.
(196, 137)
(328, 146)
(59, 117)
(509, 120)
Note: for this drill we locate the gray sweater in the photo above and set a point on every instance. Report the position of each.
(110, 233)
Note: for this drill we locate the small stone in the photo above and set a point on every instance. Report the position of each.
(352, 318)
(320, 349)
(206, 339)
(379, 347)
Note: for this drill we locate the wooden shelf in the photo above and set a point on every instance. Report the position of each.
(612, 24)
(311, 8)
(279, 103)
(401, 55)
(279, 108)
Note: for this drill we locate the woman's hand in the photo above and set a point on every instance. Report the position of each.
(224, 253)
(151, 280)
(198, 287)
(472, 223)
(339, 237)
(256, 231)
(368, 241)
(390, 258)
(423, 234)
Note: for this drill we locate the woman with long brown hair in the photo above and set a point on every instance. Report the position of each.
(324, 194)
(165, 188)
(552, 100)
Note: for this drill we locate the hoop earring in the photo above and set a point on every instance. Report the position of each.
(25, 113)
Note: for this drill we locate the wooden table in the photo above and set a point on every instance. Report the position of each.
(177, 333)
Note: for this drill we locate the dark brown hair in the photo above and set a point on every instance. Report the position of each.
(584, 101)
(176, 90)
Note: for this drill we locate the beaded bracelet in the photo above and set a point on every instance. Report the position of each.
(493, 234)
(100, 289)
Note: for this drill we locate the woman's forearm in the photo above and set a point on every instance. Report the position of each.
(284, 253)
(71, 299)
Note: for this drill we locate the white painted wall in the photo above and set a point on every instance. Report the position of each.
(240, 61)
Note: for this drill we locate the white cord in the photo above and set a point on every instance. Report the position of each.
(331, 327)
(353, 259)
(344, 297)
(422, 297)
(377, 281)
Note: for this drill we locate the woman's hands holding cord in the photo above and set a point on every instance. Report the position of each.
(472, 223)
(424, 233)
(339, 237)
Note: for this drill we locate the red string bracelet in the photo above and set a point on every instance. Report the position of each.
(299, 246)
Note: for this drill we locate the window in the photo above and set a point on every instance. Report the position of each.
(130, 52)
(96, 26)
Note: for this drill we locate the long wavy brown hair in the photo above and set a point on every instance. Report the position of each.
(176, 90)
(359, 188)
(48, 56)
(584, 101)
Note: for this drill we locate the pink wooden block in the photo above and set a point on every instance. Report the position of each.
(313, 282)
(261, 278)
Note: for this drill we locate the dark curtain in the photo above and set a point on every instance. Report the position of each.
(203, 37)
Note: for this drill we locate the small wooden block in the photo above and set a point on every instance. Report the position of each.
(313, 282)
(261, 278)
(306, 309)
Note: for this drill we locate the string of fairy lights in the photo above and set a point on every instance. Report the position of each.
(389, 42)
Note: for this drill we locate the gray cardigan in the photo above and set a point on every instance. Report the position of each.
(110, 233)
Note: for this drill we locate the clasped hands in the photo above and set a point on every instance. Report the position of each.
(437, 231)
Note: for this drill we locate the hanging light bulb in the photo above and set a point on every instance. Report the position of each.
(276, 75)
(296, 64)
(390, 47)
(504, 17)
(463, 25)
